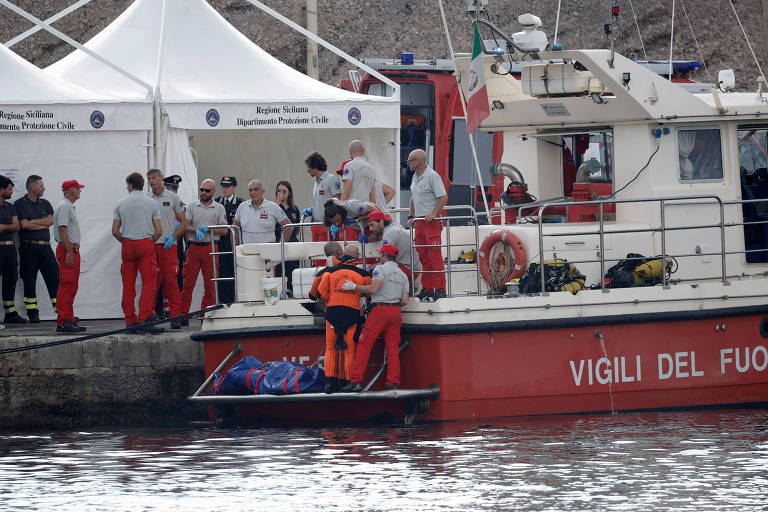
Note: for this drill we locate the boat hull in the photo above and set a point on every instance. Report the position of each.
(505, 370)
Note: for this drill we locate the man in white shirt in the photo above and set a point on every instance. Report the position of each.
(327, 186)
(257, 217)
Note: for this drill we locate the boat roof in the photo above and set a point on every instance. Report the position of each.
(646, 97)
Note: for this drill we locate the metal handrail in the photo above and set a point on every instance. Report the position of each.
(447, 271)
(234, 235)
(686, 200)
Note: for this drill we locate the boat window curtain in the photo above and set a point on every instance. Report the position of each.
(700, 154)
(685, 142)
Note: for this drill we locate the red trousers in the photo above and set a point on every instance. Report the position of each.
(338, 363)
(69, 278)
(428, 233)
(198, 258)
(167, 276)
(138, 257)
(320, 234)
(382, 319)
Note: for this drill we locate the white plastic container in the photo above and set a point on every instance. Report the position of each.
(302, 281)
(558, 78)
(272, 287)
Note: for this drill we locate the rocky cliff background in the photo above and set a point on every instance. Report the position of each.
(704, 29)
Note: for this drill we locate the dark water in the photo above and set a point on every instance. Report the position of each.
(693, 460)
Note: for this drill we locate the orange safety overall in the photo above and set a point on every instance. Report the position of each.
(342, 316)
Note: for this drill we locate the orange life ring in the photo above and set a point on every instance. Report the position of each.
(507, 237)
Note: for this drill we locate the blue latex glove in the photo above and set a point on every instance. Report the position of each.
(169, 241)
(306, 212)
(176, 226)
(334, 230)
(349, 221)
(201, 231)
(362, 238)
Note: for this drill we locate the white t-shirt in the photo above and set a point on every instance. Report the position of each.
(258, 224)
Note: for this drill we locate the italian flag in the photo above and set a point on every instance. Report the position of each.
(477, 98)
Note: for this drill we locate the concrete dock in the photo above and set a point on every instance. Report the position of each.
(121, 379)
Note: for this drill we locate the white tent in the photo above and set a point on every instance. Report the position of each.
(246, 114)
(61, 131)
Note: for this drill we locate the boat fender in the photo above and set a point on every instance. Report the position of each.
(764, 327)
(506, 237)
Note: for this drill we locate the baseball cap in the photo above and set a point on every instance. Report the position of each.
(340, 170)
(376, 215)
(389, 249)
(70, 184)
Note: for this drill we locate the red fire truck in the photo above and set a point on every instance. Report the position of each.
(432, 119)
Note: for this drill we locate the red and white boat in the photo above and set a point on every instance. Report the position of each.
(649, 169)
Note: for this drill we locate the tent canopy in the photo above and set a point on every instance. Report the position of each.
(248, 114)
(62, 131)
(199, 63)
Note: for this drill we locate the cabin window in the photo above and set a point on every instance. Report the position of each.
(700, 156)
(753, 156)
(587, 158)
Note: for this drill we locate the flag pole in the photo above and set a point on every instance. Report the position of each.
(464, 108)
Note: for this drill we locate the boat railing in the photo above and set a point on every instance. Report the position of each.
(472, 219)
(662, 229)
(235, 235)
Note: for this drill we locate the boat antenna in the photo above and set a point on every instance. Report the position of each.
(747, 40)
(464, 106)
(698, 48)
(557, 22)
(639, 34)
(671, 40)
(608, 27)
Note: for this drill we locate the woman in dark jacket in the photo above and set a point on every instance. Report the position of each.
(284, 197)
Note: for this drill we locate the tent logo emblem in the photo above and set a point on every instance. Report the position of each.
(354, 115)
(212, 117)
(97, 119)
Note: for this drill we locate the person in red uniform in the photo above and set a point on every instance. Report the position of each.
(342, 317)
(201, 214)
(428, 197)
(174, 223)
(389, 291)
(66, 231)
(136, 225)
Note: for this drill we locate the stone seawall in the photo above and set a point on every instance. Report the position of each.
(116, 380)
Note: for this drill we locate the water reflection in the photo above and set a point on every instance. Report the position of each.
(683, 460)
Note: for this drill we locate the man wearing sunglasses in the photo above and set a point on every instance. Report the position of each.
(201, 214)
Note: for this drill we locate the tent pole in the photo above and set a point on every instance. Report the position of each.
(156, 108)
(313, 64)
(464, 108)
(64, 37)
(50, 20)
(327, 45)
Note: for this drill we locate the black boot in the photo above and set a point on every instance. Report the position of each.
(352, 387)
(34, 316)
(14, 318)
(331, 385)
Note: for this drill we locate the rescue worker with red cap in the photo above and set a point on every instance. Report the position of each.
(428, 197)
(389, 291)
(352, 214)
(136, 225)
(174, 223)
(382, 227)
(66, 231)
(342, 316)
(327, 186)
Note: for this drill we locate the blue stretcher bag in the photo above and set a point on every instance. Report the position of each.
(251, 376)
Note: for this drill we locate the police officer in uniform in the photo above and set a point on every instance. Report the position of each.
(9, 223)
(35, 253)
(172, 183)
(230, 201)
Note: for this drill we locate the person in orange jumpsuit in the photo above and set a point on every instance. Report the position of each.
(342, 317)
